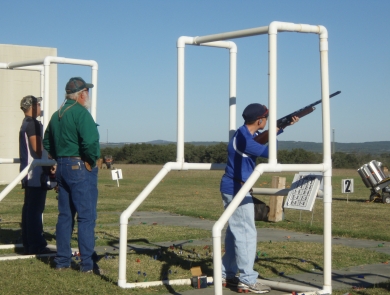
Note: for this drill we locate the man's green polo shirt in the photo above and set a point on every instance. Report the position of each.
(72, 132)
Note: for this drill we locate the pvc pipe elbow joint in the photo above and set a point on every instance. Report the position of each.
(217, 230)
(233, 47)
(122, 284)
(323, 32)
(183, 40)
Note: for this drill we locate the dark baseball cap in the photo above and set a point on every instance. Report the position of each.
(255, 111)
(28, 101)
(76, 84)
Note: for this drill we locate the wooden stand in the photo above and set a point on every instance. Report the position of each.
(276, 202)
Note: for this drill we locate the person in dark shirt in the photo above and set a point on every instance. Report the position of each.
(30, 148)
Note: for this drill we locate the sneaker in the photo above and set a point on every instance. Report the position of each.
(257, 288)
(96, 271)
(233, 282)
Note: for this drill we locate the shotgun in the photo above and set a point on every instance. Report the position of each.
(282, 123)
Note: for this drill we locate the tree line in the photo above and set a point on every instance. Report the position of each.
(160, 154)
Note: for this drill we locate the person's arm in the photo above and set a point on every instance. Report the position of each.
(48, 141)
(33, 132)
(262, 137)
(36, 145)
(89, 135)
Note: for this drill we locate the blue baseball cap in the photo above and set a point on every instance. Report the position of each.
(255, 111)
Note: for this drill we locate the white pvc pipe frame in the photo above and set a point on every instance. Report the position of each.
(43, 65)
(272, 166)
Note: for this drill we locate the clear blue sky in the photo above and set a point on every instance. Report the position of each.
(134, 43)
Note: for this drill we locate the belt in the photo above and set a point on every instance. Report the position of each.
(71, 157)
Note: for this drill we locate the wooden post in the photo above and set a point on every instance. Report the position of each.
(276, 202)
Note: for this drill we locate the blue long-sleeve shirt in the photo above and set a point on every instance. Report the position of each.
(242, 153)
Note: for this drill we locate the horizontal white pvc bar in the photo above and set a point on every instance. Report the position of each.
(222, 44)
(22, 174)
(164, 282)
(53, 59)
(25, 256)
(202, 166)
(231, 35)
(287, 287)
(9, 161)
(276, 192)
(30, 68)
(10, 246)
(273, 28)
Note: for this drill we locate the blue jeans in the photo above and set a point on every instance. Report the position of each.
(32, 227)
(77, 193)
(240, 241)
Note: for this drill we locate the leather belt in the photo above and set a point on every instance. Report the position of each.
(71, 157)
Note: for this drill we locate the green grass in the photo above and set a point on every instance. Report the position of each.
(196, 194)
(38, 276)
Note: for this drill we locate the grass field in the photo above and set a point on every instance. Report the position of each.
(196, 194)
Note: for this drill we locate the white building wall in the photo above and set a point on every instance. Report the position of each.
(14, 85)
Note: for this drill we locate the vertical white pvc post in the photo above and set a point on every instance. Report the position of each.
(327, 160)
(42, 76)
(94, 91)
(180, 99)
(272, 90)
(46, 93)
(232, 91)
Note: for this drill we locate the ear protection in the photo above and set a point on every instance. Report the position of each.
(260, 121)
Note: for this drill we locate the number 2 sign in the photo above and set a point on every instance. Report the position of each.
(347, 186)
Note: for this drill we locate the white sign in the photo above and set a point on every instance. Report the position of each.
(319, 175)
(347, 186)
(303, 192)
(116, 174)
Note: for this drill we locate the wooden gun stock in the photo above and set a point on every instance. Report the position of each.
(262, 138)
(282, 123)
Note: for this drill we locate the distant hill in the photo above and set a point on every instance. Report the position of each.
(373, 148)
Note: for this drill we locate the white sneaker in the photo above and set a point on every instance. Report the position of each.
(257, 288)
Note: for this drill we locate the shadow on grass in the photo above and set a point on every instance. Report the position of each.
(354, 280)
(171, 257)
(10, 236)
(49, 260)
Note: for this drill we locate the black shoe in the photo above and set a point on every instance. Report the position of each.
(42, 251)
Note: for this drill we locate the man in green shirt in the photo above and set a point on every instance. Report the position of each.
(72, 139)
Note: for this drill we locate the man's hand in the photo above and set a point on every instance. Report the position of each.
(53, 169)
(87, 166)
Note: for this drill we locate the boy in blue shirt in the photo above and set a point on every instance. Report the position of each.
(241, 234)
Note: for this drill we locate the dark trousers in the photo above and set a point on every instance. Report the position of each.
(32, 227)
